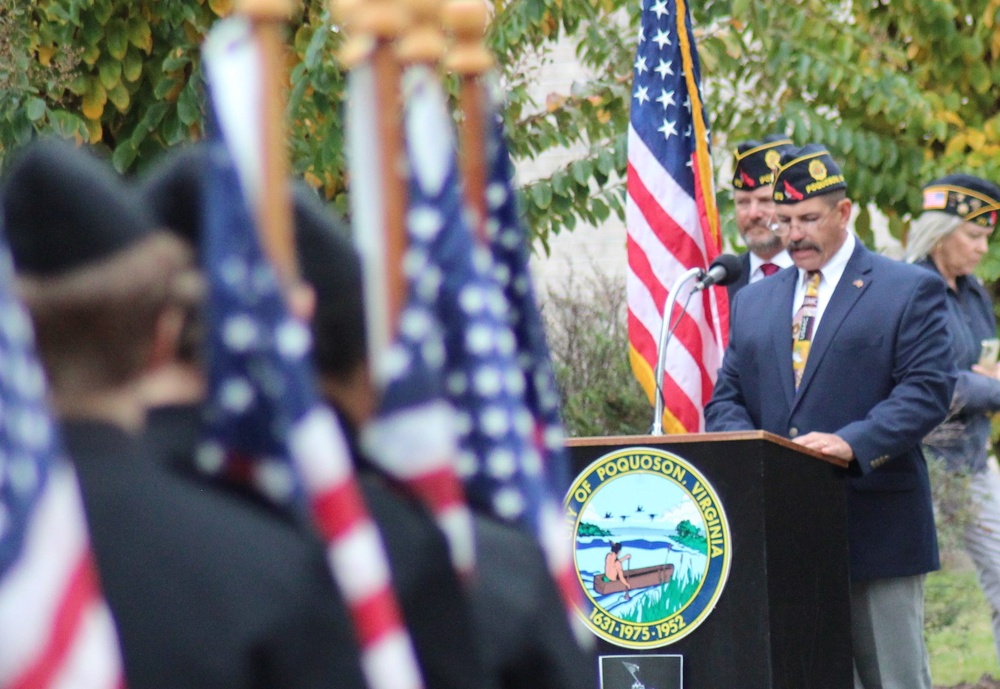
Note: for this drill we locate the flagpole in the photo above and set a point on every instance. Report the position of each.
(470, 60)
(381, 22)
(274, 212)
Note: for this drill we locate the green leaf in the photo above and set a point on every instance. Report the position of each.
(132, 66)
(560, 183)
(67, 124)
(35, 108)
(164, 86)
(124, 156)
(116, 39)
(541, 194)
(600, 209)
(120, 97)
(177, 61)
(102, 11)
(110, 72)
(139, 33)
(188, 106)
(580, 169)
(605, 162)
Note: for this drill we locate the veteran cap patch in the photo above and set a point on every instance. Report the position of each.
(971, 198)
(806, 172)
(754, 161)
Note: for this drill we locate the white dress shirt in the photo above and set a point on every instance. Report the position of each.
(831, 273)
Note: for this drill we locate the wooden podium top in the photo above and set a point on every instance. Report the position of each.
(702, 438)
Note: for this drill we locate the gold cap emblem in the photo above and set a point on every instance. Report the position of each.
(817, 169)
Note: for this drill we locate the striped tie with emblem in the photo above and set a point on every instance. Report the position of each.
(803, 325)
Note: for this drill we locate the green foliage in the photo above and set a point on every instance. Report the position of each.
(588, 339)
(588, 529)
(665, 600)
(132, 85)
(687, 530)
(958, 631)
(690, 535)
(901, 92)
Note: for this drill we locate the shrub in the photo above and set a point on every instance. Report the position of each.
(589, 343)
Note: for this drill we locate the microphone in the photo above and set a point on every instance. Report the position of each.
(725, 269)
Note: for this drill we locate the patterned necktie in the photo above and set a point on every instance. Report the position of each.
(768, 269)
(803, 325)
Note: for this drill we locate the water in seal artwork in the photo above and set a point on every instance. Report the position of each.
(652, 546)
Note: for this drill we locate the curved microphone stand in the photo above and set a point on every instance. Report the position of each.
(661, 349)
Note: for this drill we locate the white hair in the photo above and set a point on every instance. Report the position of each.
(926, 231)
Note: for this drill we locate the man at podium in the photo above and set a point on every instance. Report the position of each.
(848, 353)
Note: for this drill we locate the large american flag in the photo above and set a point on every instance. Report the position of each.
(265, 422)
(671, 218)
(55, 627)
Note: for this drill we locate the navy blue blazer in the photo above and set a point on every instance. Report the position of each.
(880, 375)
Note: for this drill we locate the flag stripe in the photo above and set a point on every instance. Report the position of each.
(378, 617)
(691, 329)
(644, 374)
(439, 489)
(337, 509)
(50, 592)
(690, 333)
(87, 663)
(79, 594)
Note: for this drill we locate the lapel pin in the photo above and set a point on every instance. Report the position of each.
(858, 283)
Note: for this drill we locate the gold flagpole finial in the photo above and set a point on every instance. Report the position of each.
(466, 20)
(358, 45)
(273, 10)
(423, 42)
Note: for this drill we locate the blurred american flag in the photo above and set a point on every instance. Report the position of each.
(55, 627)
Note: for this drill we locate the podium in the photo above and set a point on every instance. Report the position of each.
(782, 619)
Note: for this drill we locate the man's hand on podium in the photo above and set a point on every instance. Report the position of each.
(827, 444)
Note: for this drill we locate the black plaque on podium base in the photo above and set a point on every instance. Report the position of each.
(782, 620)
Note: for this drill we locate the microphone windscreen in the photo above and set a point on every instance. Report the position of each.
(733, 266)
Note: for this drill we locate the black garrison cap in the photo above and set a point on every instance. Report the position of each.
(64, 208)
(971, 198)
(806, 172)
(754, 161)
(171, 191)
(329, 262)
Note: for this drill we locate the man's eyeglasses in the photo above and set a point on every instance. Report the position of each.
(783, 226)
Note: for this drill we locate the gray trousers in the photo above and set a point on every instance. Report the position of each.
(887, 634)
(982, 541)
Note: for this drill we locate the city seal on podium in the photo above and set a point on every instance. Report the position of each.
(651, 545)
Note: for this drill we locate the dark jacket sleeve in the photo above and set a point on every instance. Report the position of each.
(976, 393)
(924, 375)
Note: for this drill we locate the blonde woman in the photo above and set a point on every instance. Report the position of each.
(951, 237)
